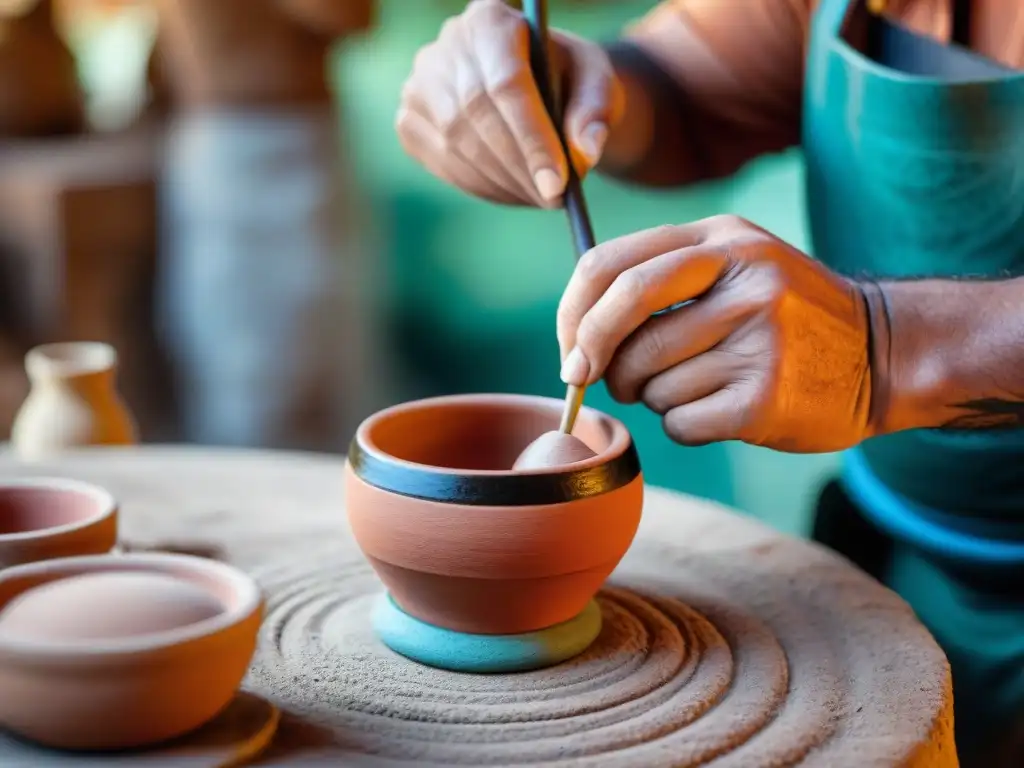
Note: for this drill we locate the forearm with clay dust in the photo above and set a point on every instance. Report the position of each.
(947, 353)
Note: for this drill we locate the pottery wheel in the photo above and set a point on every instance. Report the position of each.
(723, 643)
(232, 739)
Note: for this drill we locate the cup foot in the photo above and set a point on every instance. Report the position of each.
(461, 652)
(236, 736)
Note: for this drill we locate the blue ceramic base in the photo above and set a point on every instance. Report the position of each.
(459, 652)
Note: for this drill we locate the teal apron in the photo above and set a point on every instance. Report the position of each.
(915, 168)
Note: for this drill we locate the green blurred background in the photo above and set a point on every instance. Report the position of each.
(473, 287)
(476, 286)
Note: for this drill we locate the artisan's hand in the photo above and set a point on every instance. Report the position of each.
(472, 115)
(773, 351)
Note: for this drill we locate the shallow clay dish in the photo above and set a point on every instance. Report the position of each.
(46, 518)
(128, 692)
(463, 542)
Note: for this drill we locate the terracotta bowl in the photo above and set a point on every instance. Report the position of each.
(46, 518)
(463, 542)
(127, 692)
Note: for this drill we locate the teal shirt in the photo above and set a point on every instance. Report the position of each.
(919, 177)
(919, 174)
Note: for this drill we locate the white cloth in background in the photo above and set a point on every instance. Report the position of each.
(262, 281)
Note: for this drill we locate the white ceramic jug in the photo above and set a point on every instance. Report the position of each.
(73, 401)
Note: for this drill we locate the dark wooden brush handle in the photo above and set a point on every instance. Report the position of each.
(536, 12)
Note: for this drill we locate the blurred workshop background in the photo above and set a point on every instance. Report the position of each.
(457, 295)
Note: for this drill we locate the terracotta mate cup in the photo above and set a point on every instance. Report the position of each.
(47, 518)
(98, 692)
(462, 541)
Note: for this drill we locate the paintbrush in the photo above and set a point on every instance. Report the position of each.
(536, 13)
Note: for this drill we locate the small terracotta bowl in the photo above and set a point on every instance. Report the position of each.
(46, 518)
(131, 692)
(463, 542)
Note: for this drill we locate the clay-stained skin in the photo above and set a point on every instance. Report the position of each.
(253, 52)
(956, 352)
(776, 347)
(737, 73)
(782, 352)
(734, 69)
(471, 112)
(733, 72)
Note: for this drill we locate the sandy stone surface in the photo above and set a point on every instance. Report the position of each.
(725, 643)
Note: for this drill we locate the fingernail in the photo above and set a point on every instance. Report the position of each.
(592, 141)
(549, 184)
(576, 368)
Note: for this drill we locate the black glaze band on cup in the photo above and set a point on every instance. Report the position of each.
(495, 490)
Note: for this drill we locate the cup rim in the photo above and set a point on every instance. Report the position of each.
(621, 439)
(106, 506)
(245, 590)
(87, 358)
(614, 467)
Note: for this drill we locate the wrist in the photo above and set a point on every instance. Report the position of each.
(908, 369)
(879, 354)
(937, 349)
(907, 377)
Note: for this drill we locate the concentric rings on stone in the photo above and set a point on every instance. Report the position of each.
(700, 661)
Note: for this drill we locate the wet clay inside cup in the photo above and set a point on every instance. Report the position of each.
(478, 435)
